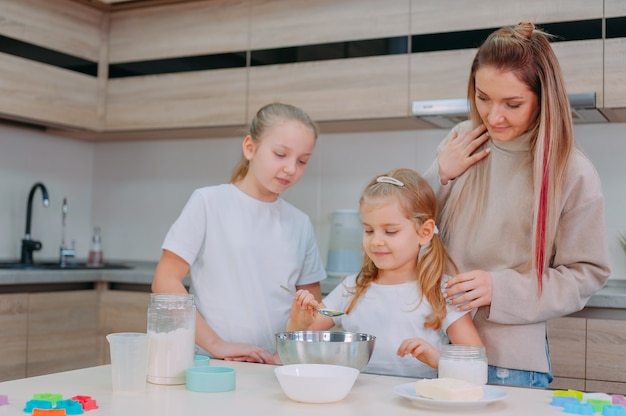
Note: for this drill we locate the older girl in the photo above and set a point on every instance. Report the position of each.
(240, 241)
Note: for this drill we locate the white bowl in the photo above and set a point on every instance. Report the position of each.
(316, 383)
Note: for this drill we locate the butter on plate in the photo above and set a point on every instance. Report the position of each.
(448, 389)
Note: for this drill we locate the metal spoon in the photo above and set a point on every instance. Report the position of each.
(323, 311)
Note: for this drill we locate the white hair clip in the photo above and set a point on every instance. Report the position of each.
(389, 179)
(436, 230)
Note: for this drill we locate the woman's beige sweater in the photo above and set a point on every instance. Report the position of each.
(513, 327)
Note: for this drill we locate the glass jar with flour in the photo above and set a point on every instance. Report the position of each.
(171, 337)
(463, 362)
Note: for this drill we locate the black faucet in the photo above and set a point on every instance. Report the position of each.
(29, 245)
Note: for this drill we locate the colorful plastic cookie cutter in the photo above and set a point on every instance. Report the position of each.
(37, 404)
(48, 412)
(72, 407)
(618, 399)
(598, 404)
(614, 410)
(579, 408)
(4, 399)
(596, 396)
(560, 401)
(87, 402)
(53, 397)
(569, 393)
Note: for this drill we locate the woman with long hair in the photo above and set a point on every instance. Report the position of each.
(522, 211)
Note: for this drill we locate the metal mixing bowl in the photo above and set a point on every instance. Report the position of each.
(349, 349)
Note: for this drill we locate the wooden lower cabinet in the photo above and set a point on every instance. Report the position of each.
(567, 342)
(588, 354)
(52, 331)
(62, 331)
(606, 355)
(121, 311)
(13, 336)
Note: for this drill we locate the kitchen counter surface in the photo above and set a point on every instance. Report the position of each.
(139, 273)
(613, 295)
(257, 392)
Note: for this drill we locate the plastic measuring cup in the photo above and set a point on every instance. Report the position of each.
(129, 361)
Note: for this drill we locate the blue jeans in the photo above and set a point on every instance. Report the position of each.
(498, 375)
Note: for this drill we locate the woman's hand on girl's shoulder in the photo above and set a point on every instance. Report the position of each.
(420, 349)
(457, 154)
(469, 290)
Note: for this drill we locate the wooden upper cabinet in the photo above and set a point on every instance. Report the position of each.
(341, 85)
(178, 30)
(581, 62)
(281, 23)
(46, 93)
(61, 25)
(183, 96)
(178, 100)
(437, 74)
(457, 15)
(615, 74)
(346, 89)
(615, 59)
(275, 50)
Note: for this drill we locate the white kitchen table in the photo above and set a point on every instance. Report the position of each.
(257, 392)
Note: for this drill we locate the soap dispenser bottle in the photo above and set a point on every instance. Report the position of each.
(95, 252)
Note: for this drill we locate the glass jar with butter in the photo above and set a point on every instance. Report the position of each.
(463, 362)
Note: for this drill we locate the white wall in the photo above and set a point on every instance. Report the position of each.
(155, 179)
(65, 167)
(135, 190)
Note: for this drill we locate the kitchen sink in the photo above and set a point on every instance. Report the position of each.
(16, 265)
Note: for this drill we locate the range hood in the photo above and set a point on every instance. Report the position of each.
(446, 113)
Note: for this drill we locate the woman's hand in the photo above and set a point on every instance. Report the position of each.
(230, 351)
(458, 153)
(303, 311)
(421, 350)
(469, 290)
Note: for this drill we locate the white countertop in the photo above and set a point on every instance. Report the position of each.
(257, 392)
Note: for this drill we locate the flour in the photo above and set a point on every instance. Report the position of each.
(170, 355)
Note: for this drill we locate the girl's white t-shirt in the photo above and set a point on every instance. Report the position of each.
(392, 313)
(240, 251)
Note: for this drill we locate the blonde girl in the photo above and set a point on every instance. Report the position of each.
(397, 294)
(240, 241)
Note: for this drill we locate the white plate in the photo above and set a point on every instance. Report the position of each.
(491, 394)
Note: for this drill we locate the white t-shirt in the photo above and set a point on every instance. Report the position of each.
(392, 314)
(240, 251)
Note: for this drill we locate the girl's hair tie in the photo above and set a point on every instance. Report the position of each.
(389, 179)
